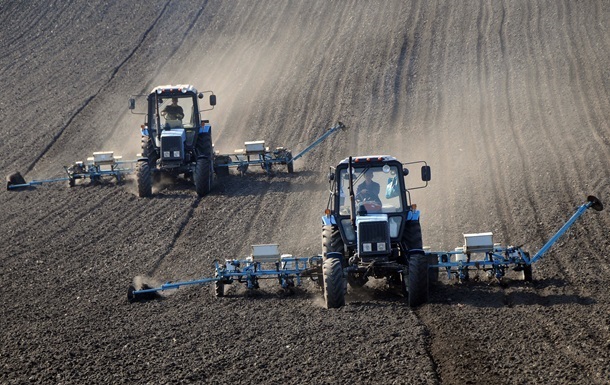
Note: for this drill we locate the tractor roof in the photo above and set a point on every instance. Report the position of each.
(175, 89)
(369, 159)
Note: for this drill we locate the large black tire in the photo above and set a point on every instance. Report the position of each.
(143, 179)
(331, 240)
(204, 145)
(411, 236)
(202, 176)
(334, 281)
(149, 151)
(418, 279)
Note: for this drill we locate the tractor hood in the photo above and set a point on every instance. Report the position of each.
(176, 132)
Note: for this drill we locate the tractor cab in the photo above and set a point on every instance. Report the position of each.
(176, 108)
(371, 229)
(372, 186)
(376, 190)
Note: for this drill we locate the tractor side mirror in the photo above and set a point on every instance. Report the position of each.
(212, 100)
(426, 173)
(405, 171)
(132, 103)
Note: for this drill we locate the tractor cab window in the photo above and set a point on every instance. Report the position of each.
(375, 188)
(176, 112)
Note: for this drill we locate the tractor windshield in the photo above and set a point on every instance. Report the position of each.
(176, 111)
(375, 188)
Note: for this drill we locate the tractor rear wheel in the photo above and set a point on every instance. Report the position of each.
(418, 279)
(148, 150)
(143, 179)
(334, 282)
(204, 145)
(331, 240)
(202, 176)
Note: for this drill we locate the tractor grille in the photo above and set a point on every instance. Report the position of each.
(373, 232)
(171, 148)
(373, 238)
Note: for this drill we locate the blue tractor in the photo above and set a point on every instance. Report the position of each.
(371, 229)
(175, 139)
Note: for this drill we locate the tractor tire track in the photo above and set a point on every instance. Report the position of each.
(58, 134)
(170, 246)
(494, 121)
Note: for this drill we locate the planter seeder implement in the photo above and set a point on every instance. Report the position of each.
(480, 253)
(265, 262)
(101, 165)
(255, 153)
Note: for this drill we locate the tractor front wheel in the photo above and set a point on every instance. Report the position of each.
(334, 281)
(331, 240)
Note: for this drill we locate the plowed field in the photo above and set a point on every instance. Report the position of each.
(508, 101)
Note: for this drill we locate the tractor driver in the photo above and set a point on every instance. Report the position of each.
(369, 189)
(173, 111)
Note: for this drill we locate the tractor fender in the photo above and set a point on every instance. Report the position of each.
(142, 158)
(328, 220)
(413, 215)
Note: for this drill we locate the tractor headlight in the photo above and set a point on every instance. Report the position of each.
(381, 246)
(176, 154)
(367, 247)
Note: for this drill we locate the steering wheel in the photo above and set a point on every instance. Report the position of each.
(369, 203)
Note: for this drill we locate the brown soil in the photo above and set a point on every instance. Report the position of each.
(508, 101)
